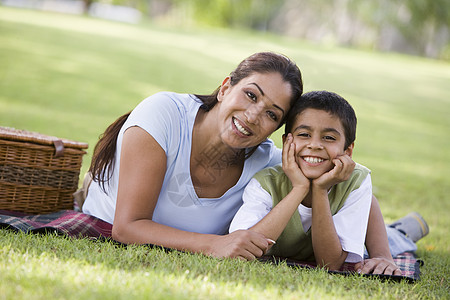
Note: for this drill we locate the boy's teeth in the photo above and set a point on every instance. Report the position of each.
(240, 128)
(313, 160)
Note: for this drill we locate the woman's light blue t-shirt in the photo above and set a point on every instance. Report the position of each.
(169, 118)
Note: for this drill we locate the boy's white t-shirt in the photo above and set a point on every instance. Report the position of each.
(169, 119)
(350, 221)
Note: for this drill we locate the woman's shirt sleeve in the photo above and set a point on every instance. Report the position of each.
(159, 116)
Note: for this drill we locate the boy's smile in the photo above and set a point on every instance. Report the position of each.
(319, 138)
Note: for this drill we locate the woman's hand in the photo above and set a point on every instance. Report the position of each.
(243, 244)
(290, 166)
(378, 265)
(343, 168)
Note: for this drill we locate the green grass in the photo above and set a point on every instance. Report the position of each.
(46, 267)
(71, 76)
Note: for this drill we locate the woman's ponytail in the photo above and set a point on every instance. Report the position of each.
(102, 163)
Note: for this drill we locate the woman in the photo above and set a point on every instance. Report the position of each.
(184, 160)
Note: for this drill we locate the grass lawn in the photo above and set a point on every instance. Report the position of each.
(71, 76)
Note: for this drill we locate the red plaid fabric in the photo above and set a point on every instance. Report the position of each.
(66, 222)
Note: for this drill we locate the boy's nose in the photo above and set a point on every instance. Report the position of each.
(315, 144)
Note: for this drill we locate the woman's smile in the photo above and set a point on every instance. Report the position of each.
(241, 127)
(249, 111)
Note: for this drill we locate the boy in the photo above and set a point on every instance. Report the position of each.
(305, 206)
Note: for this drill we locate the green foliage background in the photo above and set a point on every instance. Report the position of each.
(421, 26)
(71, 76)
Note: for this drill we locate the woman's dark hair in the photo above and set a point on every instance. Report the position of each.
(103, 159)
(263, 62)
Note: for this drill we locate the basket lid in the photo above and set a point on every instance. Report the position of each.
(8, 133)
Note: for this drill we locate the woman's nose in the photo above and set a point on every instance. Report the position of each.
(252, 113)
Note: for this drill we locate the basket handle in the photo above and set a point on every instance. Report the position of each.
(59, 148)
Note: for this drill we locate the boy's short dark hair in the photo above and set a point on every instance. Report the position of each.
(329, 102)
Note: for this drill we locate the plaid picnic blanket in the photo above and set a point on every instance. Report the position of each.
(76, 224)
(64, 222)
(407, 262)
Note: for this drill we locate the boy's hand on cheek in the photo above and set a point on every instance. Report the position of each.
(290, 166)
(343, 168)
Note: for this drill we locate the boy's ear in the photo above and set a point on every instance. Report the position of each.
(225, 85)
(349, 150)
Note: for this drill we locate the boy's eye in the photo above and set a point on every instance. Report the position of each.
(251, 96)
(303, 134)
(329, 138)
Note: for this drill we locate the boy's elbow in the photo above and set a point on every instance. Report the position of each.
(333, 264)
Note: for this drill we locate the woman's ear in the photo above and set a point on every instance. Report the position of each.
(349, 150)
(223, 88)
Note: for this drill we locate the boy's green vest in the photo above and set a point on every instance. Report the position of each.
(294, 242)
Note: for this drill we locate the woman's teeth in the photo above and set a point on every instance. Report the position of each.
(240, 128)
(313, 160)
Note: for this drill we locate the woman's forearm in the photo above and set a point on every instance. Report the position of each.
(146, 231)
(244, 244)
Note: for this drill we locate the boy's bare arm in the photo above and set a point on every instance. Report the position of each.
(380, 261)
(273, 224)
(327, 247)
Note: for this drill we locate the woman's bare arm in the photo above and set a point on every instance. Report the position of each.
(142, 170)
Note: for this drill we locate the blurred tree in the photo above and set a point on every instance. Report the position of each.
(254, 14)
(426, 24)
(87, 5)
(420, 27)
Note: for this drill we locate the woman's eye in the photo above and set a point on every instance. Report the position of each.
(251, 96)
(303, 134)
(272, 115)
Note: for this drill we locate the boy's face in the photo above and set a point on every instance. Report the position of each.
(319, 137)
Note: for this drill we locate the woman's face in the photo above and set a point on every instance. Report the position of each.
(252, 109)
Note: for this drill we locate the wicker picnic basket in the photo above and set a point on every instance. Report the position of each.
(38, 173)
